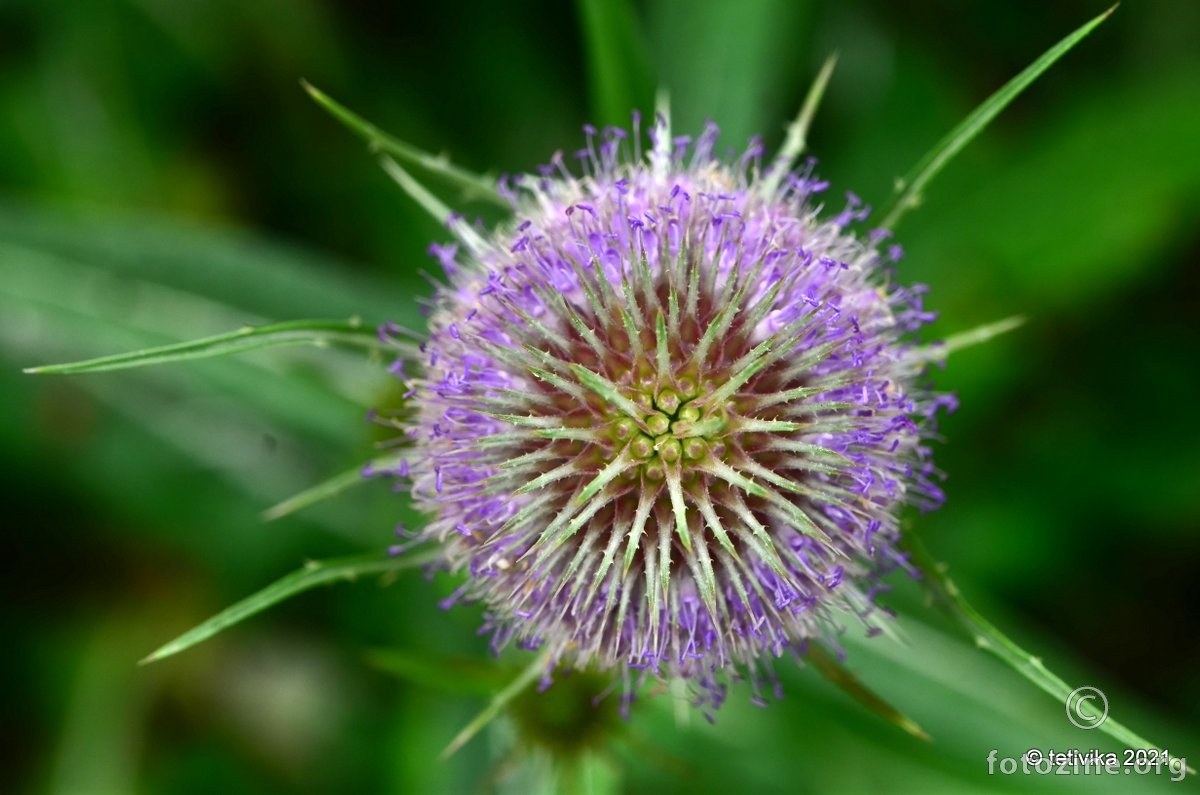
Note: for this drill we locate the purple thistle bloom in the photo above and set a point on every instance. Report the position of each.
(666, 418)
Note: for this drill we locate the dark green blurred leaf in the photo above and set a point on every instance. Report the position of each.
(109, 710)
(232, 268)
(56, 303)
(534, 671)
(618, 69)
(1090, 204)
(732, 62)
(457, 676)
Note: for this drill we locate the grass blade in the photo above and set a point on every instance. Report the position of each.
(293, 332)
(56, 252)
(314, 573)
(908, 189)
(472, 185)
(947, 596)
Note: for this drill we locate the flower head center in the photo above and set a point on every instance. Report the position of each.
(672, 428)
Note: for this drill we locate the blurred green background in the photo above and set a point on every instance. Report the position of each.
(162, 176)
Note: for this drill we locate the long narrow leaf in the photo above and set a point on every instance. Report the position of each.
(947, 596)
(473, 186)
(293, 332)
(314, 573)
(618, 68)
(733, 62)
(908, 190)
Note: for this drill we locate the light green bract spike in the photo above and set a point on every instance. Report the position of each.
(419, 193)
(660, 157)
(472, 185)
(908, 189)
(966, 339)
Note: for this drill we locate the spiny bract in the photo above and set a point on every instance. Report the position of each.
(665, 418)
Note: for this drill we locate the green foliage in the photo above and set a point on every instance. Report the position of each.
(618, 69)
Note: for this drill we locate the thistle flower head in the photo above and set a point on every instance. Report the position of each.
(666, 418)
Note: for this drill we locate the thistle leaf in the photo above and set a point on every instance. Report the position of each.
(472, 185)
(314, 573)
(950, 600)
(293, 332)
(909, 189)
(851, 685)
